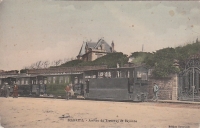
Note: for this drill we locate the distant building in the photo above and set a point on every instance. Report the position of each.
(92, 50)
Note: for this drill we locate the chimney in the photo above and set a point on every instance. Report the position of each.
(112, 45)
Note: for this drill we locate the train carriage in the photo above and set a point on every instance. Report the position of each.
(120, 84)
(10, 81)
(56, 83)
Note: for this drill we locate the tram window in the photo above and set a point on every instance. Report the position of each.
(101, 74)
(61, 79)
(54, 80)
(94, 76)
(68, 79)
(0, 81)
(144, 76)
(49, 80)
(128, 74)
(26, 82)
(22, 81)
(87, 86)
(45, 81)
(40, 82)
(139, 74)
(76, 80)
(131, 89)
(18, 82)
(150, 71)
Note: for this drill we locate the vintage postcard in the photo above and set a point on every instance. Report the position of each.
(99, 64)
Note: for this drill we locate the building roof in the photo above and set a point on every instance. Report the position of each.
(91, 44)
(107, 46)
(82, 50)
(95, 45)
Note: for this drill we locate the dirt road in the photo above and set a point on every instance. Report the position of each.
(59, 113)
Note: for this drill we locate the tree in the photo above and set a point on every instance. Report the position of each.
(46, 64)
(56, 62)
(162, 61)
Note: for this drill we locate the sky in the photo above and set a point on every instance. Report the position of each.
(34, 30)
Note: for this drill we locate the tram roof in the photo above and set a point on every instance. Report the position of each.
(37, 75)
(22, 76)
(120, 68)
(61, 74)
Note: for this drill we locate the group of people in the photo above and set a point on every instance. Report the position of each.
(6, 89)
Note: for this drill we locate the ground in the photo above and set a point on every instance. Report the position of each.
(58, 113)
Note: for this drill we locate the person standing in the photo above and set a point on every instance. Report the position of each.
(2, 91)
(7, 89)
(15, 91)
(67, 90)
(155, 92)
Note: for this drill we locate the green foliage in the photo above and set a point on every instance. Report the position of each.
(111, 60)
(71, 63)
(186, 51)
(140, 57)
(23, 70)
(162, 60)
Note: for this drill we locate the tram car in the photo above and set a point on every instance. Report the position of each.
(9, 81)
(120, 84)
(22, 81)
(46, 84)
(56, 84)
